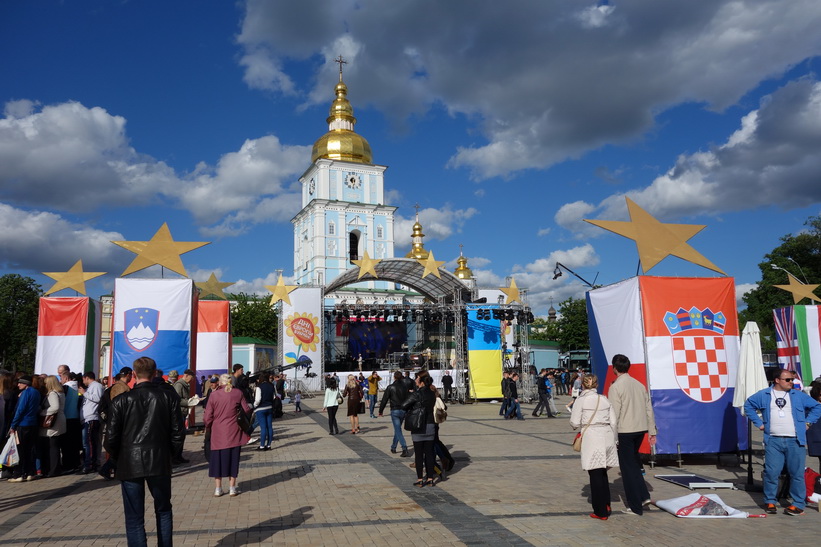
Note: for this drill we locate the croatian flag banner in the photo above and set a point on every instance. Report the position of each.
(68, 333)
(153, 318)
(798, 339)
(683, 333)
(213, 337)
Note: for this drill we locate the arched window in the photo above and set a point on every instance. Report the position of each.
(353, 245)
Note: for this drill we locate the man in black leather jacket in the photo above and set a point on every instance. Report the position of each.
(397, 393)
(143, 433)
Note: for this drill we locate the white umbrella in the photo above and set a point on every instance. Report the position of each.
(751, 377)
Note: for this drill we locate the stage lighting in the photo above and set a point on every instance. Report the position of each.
(557, 273)
(509, 315)
(498, 314)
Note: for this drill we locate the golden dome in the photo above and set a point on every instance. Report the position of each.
(462, 271)
(341, 142)
(418, 250)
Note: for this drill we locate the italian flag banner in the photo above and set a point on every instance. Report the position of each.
(68, 333)
(798, 337)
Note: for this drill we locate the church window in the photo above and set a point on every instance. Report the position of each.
(331, 229)
(353, 242)
(380, 232)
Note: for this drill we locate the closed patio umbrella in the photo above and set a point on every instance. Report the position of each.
(751, 379)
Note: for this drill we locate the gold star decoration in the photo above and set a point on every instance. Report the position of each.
(512, 292)
(655, 240)
(431, 265)
(281, 291)
(213, 286)
(367, 265)
(75, 279)
(799, 290)
(161, 250)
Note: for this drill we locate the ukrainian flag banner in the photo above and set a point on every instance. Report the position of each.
(484, 353)
(153, 318)
(68, 333)
(681, 334)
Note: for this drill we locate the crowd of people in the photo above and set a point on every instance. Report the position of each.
(59, 423)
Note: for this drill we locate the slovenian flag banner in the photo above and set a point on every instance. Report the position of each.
(798, 338)
(213, 337)
(153, 318)
(68, 333)
(683, 334)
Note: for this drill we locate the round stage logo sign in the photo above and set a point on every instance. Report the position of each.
(302, 328)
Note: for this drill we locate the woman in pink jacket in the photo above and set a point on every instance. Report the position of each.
(226, 436)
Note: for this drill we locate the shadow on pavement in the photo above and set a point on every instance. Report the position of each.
(264, 530)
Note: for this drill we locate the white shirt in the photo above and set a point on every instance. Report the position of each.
(781, 420)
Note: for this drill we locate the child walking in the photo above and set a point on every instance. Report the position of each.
(298, 401)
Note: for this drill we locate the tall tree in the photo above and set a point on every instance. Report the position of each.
(799, 254)
(542, 329)
(572, 324)
(19, 306)
(253, 316)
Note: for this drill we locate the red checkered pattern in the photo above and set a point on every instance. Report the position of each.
(701, 366)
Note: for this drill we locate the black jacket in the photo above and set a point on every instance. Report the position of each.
(514, 391)
(144, 431)
(397, 393)
(425, 398)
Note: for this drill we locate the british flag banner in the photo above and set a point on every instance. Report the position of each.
(798, 339)
(683, 335)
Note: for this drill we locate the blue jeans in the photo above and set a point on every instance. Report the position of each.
(781, 450)
(398, 437)
(372, 399)
(92, 437)
(266, 427)
(514, 408)
(134, 508)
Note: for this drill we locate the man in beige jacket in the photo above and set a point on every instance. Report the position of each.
(634, 416)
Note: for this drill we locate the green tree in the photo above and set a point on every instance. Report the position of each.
(572, 324)
(799, 254)
(253, 316)
(542, 329)
(19, 307)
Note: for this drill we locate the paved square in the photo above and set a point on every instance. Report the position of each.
(515, 483)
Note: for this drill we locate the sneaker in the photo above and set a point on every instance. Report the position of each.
(252, 440)
(629, 511)
(32, 478)
(234, 492)
(793, 511)
(17, 479)
(218, 492)
(771, 509)
(404, 453)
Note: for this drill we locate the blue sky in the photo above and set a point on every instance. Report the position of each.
(507, 122)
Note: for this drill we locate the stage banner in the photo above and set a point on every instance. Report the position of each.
(302, 339)
(692, 340)
(615, 326)
(798, 339)
(213, 338)
(68, 333)
(484, 353)
(153, 318)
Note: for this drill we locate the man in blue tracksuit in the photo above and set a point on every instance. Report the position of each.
(785, 415)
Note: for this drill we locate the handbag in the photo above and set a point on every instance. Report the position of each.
(577, 440)
(440, 411)
(361, 409)
(415, 419)
(243, 420)
(47, 420)
(339, 398)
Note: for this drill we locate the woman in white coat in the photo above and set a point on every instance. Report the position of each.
(593, 413)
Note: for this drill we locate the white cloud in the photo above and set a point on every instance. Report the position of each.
(543, 232)
(772, 159)
(544, 83)
(43, 241)
(436, 224)
(72, 158)
(740, 290)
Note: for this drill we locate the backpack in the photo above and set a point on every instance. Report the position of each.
(277, 408)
